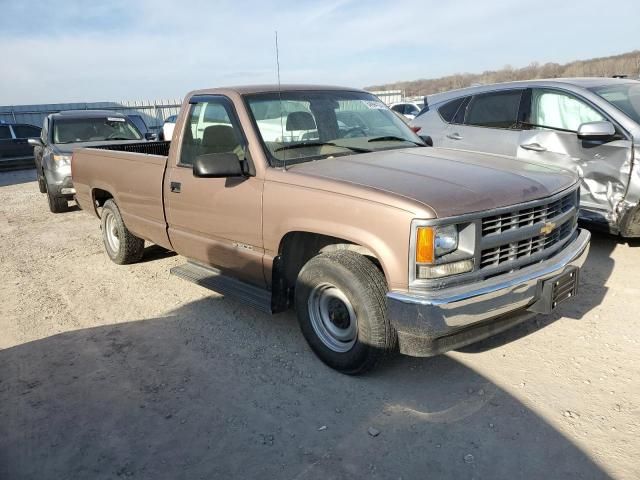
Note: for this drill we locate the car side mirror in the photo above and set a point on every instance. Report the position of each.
(217, 165)
(602, 130)
(150, 136)
(427, 139)
(35, 142)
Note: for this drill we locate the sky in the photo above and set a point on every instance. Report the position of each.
(75, 51)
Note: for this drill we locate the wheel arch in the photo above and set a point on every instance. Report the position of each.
(98, 198)
(297, 247)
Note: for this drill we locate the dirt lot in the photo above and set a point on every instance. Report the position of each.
(110, 371)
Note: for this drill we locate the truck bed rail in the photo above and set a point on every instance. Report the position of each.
(149, 148)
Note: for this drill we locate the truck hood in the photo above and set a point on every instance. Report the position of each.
(68, 148)
(449, 182)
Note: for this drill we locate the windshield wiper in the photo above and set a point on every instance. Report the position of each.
(392, 138)
(320, 144)
(118, 138)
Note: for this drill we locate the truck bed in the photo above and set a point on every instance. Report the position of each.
(133, 174)
(150, 148)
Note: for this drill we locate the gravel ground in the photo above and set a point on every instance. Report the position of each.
(113, 371)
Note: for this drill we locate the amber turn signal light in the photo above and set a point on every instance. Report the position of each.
(425, 245)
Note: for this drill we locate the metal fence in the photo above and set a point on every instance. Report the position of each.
(389, 96)
(154, 112)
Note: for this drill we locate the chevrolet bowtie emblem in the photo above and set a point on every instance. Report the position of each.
(548, 228)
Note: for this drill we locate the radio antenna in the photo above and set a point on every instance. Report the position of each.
(284, 160)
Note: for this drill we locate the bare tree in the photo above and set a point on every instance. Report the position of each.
(626, 63)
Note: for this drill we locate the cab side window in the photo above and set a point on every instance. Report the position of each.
(495, 110)
(212, 127)
(453, 110)
(561, 111)
(5, 133)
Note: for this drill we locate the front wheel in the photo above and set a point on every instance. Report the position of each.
(56, 204)
(122, 246)
(341, 307)
(42, 183)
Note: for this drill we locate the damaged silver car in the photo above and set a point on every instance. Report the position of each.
(588, 125)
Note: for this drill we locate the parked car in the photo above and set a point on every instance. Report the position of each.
(166, 132)
(588, 125)
(64, 132)
(14, 143)
(378, 241)
(142, 127)
(409, 109)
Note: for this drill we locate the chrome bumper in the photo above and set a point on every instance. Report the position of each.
(424, 317)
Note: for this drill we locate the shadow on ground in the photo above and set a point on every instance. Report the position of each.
(594, 275)
(218, 390)
(16, 177)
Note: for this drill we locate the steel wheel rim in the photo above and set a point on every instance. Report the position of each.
(111, 232)
(333, 318)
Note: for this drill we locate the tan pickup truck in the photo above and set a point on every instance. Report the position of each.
(320, 198)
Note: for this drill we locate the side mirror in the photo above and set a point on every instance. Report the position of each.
(35, 142)
(217, 165)
(596, 130)
(150, 136)
(427, 139)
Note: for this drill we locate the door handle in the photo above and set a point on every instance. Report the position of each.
(175, 187)
(454, 136)
(536, 147)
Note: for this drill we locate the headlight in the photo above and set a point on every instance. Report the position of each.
(62, 160)
(433, 243)
(446, 240)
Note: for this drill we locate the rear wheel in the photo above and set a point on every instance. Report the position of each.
(121, 245)
(342, 311)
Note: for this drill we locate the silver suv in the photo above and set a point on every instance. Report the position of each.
(588, 125)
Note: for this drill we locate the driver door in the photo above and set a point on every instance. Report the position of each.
(551, 138)
(216, 221)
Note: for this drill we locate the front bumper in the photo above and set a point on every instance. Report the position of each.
(430, 323)
(59, 182)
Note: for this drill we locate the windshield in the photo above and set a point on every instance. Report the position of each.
(78, 130)
(625, 97)
(309, 125)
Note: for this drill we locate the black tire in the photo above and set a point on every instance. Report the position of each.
(359, 281)
(128, 248)
(42, 183)
(56, 204)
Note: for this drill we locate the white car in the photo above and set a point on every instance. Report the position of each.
(169, 124)
(409, 109)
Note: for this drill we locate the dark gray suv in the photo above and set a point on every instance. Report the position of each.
(64, 132)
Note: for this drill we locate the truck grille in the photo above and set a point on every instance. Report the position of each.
(522, 232)
(527, 216)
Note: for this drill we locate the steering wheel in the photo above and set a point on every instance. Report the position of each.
(351, 132)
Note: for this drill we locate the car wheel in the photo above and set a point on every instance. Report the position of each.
(42, 183)
(341, 306)
(122, 246)
(56, 204)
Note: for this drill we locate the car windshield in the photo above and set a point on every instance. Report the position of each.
(308, 125)
(96, 129)
(625, 97)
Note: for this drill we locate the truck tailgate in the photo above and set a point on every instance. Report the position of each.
(134, 180)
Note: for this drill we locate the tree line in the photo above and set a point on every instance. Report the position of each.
(624, 64)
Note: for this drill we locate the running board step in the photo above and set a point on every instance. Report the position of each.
(215, 280)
